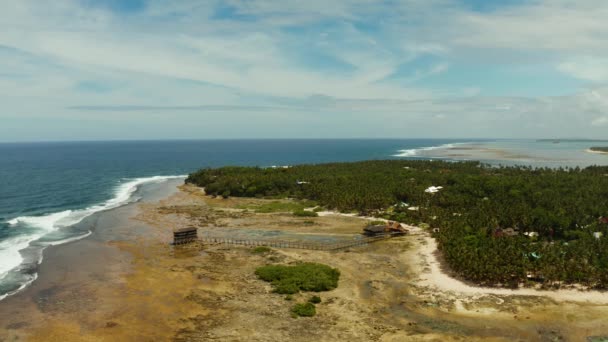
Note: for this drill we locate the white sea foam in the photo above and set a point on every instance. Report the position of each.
(71, 239)
(10, 256)
(9, 252)
(24, 285)
(417, 151)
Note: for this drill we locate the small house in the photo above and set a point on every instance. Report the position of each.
(391, 227)
(374, 230)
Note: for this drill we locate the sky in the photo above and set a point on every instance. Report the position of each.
(191, 69)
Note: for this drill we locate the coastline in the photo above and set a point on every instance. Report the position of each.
(129, 284)
(24, 258)
(595, 152)
(75, 276)
(436, 276)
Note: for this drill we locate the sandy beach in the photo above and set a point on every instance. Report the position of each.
(435, 275)
(594, 151)
(126, 283)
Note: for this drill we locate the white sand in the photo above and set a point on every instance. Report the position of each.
(435, 278)
(596, 152)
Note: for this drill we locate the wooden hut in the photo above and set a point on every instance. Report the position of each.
(185, 235)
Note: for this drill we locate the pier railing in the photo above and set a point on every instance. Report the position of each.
(319, 246)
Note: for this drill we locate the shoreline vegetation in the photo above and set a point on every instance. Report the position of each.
(393, 290)
(504, 227)
(597, 149)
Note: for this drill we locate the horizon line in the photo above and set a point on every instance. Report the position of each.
(289, 139)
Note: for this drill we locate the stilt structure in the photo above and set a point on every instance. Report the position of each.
(185, 235)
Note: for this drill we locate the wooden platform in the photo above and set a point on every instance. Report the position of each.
(318, 246)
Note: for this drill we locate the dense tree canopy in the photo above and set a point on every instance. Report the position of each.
(556, 232)
(599, 148)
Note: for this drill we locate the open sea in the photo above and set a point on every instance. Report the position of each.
(47, 190)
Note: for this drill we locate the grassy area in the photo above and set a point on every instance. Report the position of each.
(304, 213)
(279, 206)
(304, 310)
(261, 250)
(302, 277)
(376, 223)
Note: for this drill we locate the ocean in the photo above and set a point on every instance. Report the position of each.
(48, 190)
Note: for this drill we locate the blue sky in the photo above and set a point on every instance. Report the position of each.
(155, 69)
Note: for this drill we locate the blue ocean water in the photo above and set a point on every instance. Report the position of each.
(47, 188)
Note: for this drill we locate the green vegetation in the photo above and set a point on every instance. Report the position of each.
(376, 223)
(304, 310)
(261, 250)
(304, 213)
(280, 207)
(301, 277)
(315, 300)
(562, 206)
(599, 149)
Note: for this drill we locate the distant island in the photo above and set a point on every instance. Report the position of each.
(571, 140)
(597, 149)
(495, 226)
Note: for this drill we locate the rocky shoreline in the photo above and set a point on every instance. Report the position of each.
(130, 284)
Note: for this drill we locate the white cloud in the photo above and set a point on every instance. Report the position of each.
(172, 58)
(586, 68)
(600, 122)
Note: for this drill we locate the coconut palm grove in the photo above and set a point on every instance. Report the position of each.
(495, 226)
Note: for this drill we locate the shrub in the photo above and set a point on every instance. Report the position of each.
(304, 213)
(261, 250)
(304, 310)
(302, 277)
(315, 300)
(289, 297)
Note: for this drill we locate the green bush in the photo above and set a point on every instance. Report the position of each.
(278, 206)
(304, 213)
(315, 300)
(261, 250)
(304, 310)
(302, 277)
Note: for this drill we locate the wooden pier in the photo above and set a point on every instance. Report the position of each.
(318, 246)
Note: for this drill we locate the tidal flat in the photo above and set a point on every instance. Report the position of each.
(127, 283)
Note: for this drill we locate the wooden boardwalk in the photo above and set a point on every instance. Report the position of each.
(318, 246)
